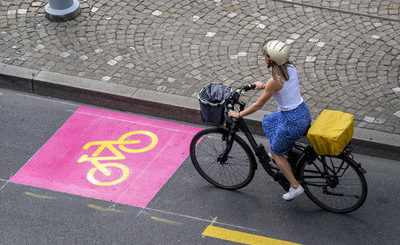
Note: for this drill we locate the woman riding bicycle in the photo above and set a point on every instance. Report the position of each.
(291, 121)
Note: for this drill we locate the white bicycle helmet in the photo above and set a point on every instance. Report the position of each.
(276, 51)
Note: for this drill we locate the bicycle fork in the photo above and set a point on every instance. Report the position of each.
(229, 142)
(233, 127)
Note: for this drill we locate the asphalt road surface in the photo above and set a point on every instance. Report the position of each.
(180, 207)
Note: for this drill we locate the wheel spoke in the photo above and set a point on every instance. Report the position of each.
(341, 189)
(209, 147)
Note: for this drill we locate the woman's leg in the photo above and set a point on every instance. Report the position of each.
(284, 166)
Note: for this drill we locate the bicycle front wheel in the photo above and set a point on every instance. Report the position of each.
(334, 184)
(206, 151)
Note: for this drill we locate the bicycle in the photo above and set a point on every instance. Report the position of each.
(117, 155)
(224, 159)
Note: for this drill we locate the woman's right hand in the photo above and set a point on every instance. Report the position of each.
(259, 85)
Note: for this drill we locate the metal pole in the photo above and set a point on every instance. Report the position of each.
(62, 10)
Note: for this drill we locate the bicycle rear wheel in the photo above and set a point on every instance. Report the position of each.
(334, 184)
(206, 150)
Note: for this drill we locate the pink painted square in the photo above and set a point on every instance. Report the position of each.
(110, 156)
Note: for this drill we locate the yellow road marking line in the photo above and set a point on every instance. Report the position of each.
(212, 222)
(215, 219)
(39, 196)
(104, 209)
(241, 237)
(171, 222)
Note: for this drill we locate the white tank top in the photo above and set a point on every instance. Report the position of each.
(289, 98)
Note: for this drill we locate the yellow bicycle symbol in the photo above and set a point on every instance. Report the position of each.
(121, 143)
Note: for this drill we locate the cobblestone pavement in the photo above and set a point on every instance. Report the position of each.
(347, 52)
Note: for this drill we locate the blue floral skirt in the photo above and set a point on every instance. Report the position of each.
(283, 128)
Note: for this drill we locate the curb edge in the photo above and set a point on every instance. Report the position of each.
(139, 100)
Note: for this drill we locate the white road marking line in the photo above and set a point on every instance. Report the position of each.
(7, 181)
(152, 160)
(200, 219)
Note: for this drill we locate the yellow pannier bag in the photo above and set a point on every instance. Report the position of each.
(331, 132)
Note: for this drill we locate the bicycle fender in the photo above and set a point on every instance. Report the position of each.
(356, 165)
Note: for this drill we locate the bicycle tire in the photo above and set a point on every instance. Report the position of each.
(205, 148)
(331, 195)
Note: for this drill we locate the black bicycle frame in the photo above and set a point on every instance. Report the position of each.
(259, 149)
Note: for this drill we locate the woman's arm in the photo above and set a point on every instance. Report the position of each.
(270, 88)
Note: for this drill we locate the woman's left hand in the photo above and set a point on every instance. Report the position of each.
(233, 114)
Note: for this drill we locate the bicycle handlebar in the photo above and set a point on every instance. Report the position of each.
(234, 98)
(248, 87)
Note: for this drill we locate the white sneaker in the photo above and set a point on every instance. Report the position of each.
(293, 193)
